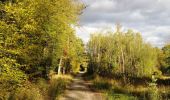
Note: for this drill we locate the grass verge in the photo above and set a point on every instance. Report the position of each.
(42, 89)
(115, 90)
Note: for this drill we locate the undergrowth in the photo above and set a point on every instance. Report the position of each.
(115, 90)
(42, 89)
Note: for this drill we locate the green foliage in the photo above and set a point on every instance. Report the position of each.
(164, 58)
(41, 89)
(10, 76)
(28, 92)
(121, 53)
(34, 35)
(10, 71)
(36, 28)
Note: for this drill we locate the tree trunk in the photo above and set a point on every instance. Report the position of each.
(123, 66)
(123, 61)
(59, 66)
(64, 70)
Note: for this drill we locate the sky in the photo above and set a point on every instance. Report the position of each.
(149, 17)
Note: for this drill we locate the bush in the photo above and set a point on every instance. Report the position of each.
(10, 76)
(28, 92)
(42, 90)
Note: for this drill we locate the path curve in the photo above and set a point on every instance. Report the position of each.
(79, 90)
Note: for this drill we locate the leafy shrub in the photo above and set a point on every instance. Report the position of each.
(42, 90)
(28, 92)
(10, 71)
(10, 76)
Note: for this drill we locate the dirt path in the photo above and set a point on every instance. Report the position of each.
(79, 90)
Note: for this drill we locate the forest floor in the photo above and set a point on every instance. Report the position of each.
(79, 90)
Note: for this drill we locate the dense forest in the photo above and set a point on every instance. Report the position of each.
(125, 53)
(36, 39)
(40, 54)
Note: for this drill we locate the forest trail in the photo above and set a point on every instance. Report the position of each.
(79, 90)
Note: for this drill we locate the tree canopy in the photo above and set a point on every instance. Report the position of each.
(121, 53)
(35, 35)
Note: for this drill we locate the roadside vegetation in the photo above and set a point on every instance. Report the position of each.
(38, 42)
(41, 89)
(124, 67)
(40, 52)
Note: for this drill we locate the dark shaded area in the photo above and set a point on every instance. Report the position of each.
(82, 68)
(13, 1)
(165, 82)
(3, 0)
(139, 80)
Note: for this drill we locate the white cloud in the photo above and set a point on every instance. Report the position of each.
(150, 17)
(84, 32)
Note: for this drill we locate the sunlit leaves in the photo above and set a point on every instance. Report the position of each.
(34, 34)
(121, 53)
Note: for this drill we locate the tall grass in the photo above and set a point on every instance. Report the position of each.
(111, 95)
(57, 86)
(153, 93)
(115, 90)
(101, 83)
(42, 89)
